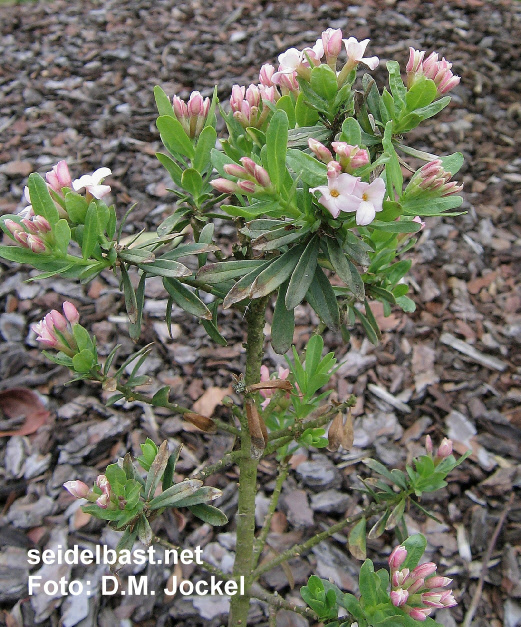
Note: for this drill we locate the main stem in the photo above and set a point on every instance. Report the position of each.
(243, 567)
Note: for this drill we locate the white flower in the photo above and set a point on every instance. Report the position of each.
(337, 195)
(371, 196)
(355, 52)
(91, 182)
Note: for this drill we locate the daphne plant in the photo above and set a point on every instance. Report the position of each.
(314, 172)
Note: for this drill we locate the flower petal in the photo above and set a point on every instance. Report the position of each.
(365, 213)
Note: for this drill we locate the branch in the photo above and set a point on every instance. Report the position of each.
(298, 549)
(227, 460)
(274, 600)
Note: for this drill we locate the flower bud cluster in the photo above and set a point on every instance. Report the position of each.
(55, 330)
(444, 449)
(434, 179)
(105, 500)
(193, 114)
(32, 232)
(420, 591)
(348, 157)
(248, 105)
(252, 178)
(431, 67)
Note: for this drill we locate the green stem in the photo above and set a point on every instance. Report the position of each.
(227, 460)
(298, 549)
(274, 600)
(261, 540)
(243, 565)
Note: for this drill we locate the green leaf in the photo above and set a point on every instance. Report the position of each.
(91, 231)
(324, 81)
(302, 275)
(168, 475)
(135, 327)
(357, 540)
(357, 249)
(264, 207)
(351, 132)
(276, 273)
(144, 531)
(175, 493)
(174, 138)
(345, 269)
(452, 163)
(215, 273)
(130, 295)
(192, 182)
(41, 201)
(203, 495)
(209, 514)
(242, 288)
(83, 361)
(276, 146)
(321, 297)
(115, 474)
(186, 299)
(164, 106)
(172, 168)
(286, 104)
(398, 89)
(103, 514)
(165, 267)
(421, 94)
(23, 255)
(283, 323)
(304, 114)
(369, 584)
(76, 207)
(156, 471)
(430, 206)
(415, 546)
(205, 145)
(274, 240)
(311, 171)
(406, 304)
(403, 226)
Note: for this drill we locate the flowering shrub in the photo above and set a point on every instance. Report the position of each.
(311, 173)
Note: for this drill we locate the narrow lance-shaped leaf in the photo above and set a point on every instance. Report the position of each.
(321, 297)
(156, 470)
(357, 540)
(283, 324)
(41, 200)
(345, 269)
(276, 146)
(276, 273)
(177, 492)
(186, 299)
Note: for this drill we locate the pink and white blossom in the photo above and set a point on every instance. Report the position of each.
(59, 177)
(92, 183)
(355, 53)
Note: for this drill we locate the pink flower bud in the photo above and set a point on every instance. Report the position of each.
(224, 186)
(13, 227)
(265, 74)
(36, 244)
(71, 313)
(180, 108)
(237, 97)
(430, 65)
(398, 577)
(234, 169)
(428, 439)
(437, 582)
(420, 613)
(42, 224)
(416, 585)
(253, 96)
(58, 321)
(415, 59)
(30, 227)
(431, 599)
(77, 489)
(262, 177)
(195, 104)
(447, 599)
(399, 597)
(431, 168)
(22, 238)
(332, 43)
(449, 82)
(333, 170)
(397, 557)
(268, 94)
(445, 448)
(103, 484)
(249, 165)
(247, 186)
(103, 501)
(59, 177)
(424, 570)
(319, 150)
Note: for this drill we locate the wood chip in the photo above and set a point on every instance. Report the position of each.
(389, 398)
(481, 358)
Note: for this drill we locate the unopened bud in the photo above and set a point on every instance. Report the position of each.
(71, 313)
(77, 488)
(397, 557)
(224, 186)
(320, 151)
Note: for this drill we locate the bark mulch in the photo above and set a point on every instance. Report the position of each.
(76, 82)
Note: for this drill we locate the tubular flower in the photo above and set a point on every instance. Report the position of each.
(434, 179)
(319, 150)
(32, 232)
(350, 157)
(77, 488)
(438, 71)
(193, 114)
(92, 183)
(337, 196)
(265, 376)
(355, 54)
(59, 177)
(419, 592)
(55, 330)
(253, 178)
(332, 45)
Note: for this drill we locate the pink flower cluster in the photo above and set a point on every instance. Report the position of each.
(438, 71)
(350, 157)
(55, 330)
(420, 591)
(433, 178)
(193, 114)
(265, 376)
(248, 105)
(32, 232)
(253, 178)
(106, 500)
